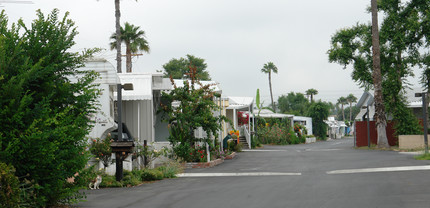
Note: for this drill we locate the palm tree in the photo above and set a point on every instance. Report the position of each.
(118, 35)
(134, 40)
(342, 101)
(381, 121)
(311, 92)
(268, 69)
(351, 99)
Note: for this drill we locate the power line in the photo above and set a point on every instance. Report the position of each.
(14, 2)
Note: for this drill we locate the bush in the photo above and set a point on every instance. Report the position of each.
(168, 171)
(136, 177)
(319, 111)
(151, 175)
(131, 180)
(110, 181)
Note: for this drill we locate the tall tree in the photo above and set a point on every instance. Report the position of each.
(351, 99)
(311, 92)
(403, 45)
(342, 101)
(134, 40)
(179, 68)
(268, 69)
(381, 121)
(118, 36)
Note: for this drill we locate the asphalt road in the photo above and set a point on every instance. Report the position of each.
(323, 174)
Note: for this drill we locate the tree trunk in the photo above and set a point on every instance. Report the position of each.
(350, 112)
(343, 113)
(271, 94)
(312, 98)
(128, 57)
(118, 36)
(381, 122)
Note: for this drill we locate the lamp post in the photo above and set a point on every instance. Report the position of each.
(120, 147)
(423, 95)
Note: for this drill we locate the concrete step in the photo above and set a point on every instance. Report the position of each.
(243, 141)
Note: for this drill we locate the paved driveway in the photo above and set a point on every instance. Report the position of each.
(323, 174)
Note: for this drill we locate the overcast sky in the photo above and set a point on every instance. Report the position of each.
(235, 37)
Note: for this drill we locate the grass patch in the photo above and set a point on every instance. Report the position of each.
(137, 177)
(422, 157)
(375, 147)
(412, 150)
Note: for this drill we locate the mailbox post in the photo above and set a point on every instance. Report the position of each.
(121, 147)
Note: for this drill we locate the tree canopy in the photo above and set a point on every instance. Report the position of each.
(179, 68)
(293, 103)
(134, 40)
(44, 116)
(311, 92)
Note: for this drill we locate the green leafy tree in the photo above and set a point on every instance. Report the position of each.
(319, 112)
(134, 40)
(293, 103)
(268, 69)
(311, 92)
(342, 101)
(179, 68)
(9, 188)
(403, 45)
(44, 116)
(188, 108)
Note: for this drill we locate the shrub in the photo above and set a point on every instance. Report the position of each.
(151, 175)
(217, 153)
(280, 134)
(9, 186)
(168, 171)
(238, 147)
(131, 180)
(194, 110)
(110, 181)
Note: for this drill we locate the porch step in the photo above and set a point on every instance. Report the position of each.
(242, 140)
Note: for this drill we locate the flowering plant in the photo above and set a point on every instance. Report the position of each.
(198, 154)
(149, 152)
(101, 149)
(243, 119)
